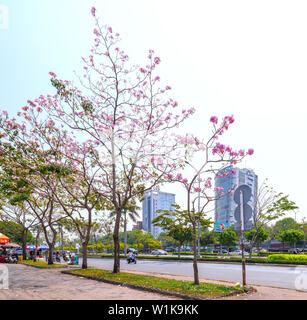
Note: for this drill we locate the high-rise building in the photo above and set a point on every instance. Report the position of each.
(155, 200)
(138, 226)
(229, 179)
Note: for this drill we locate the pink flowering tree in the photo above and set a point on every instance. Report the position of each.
(203, 160)
(126, 114)
(55, 167)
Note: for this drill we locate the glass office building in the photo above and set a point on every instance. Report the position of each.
(155, 200)
(229, 179)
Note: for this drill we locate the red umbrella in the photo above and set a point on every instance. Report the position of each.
(4, 239)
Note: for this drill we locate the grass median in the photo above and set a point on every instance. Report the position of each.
(42, 264)
(164, 285)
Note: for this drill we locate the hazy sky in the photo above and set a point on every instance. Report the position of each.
(246, 58)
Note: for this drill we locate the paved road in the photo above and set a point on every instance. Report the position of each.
(273, 276)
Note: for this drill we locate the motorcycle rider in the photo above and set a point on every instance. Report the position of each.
(131, 257)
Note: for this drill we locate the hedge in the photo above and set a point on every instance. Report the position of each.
(288, 258)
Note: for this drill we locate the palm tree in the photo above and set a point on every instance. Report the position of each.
(129, 212)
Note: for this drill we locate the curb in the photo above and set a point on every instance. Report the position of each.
(158, 291)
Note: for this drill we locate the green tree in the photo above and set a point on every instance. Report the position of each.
(207, 237)
(283, 225)
(303, 227)
(177, 224)
(258, 236)
(154, 244)
(269, 207)
(14, 231)
(227, 238)
(166, 240)
(291, 236)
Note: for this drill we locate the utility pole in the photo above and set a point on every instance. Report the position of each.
(242, 239)
(198, 223)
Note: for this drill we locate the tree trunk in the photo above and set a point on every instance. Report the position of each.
(116, 267)
(36, 243)
(50, 256)
(195, 266)
(125, 232)
(62, 239)
(51, 246)
(84, 254)
(24, 243)
(179, 248)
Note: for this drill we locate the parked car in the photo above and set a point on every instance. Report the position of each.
(158, 252)
(237, 253)
(222, 251)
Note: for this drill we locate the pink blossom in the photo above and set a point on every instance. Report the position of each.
(197, 189)
(31, 103)
(142, 70)
(157, 60)
(185, 180)
(50, 123)
(250, 151)
(241, 153)
(25, 108)
(159, 161)
(230, 119)
(52, 74)
(39, 109)
(214, 119)
(208, 184)
(93, 11)
(109, 29)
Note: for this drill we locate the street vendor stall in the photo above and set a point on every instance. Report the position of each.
(4, 239)
(3, 253)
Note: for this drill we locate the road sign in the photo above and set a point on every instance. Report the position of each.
(247, 210)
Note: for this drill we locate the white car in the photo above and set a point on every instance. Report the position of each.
(237, 253)
(158, 252)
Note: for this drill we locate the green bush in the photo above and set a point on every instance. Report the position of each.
(266, 254)
(288, 258)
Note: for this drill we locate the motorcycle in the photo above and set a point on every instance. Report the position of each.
(65, 257)
(11, 259)
(131, 259)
